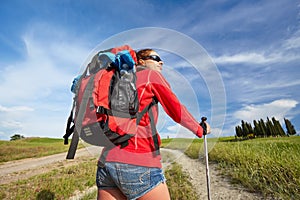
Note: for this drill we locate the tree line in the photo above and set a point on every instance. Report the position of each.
(261, 128)
(16, 137)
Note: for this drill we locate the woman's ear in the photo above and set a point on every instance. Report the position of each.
(141, 62)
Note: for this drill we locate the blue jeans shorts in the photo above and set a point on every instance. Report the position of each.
(133, 181)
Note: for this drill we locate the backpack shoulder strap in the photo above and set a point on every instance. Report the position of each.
(152, 122)
(154, 132)
(146, 109)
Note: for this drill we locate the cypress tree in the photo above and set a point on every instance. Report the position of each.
(238, 131)
(270, 128)
(278, 128)
(290, 128)
(245, 129)
(263, 128)
(257, 130)
(249, 126)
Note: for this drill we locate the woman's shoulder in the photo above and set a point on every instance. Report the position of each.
(142, 71)
(153, 75)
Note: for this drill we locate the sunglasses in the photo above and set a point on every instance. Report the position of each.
(152, 57)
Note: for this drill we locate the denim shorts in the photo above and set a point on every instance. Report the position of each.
(133, 181)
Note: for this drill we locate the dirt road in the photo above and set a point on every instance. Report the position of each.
(25, 168)
(220, 186)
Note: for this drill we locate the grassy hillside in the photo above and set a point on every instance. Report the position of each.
(30, 148)
(268, 165)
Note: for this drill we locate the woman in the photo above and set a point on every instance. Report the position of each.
(135, 171)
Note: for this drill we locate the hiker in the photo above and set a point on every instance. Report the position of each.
(135, 171)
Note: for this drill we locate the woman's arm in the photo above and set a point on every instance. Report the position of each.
(171, 104)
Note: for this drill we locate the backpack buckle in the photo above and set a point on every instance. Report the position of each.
(101, 110)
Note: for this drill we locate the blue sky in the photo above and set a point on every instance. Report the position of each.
(254, 47)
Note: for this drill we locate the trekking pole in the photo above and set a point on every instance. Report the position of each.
(203, 125)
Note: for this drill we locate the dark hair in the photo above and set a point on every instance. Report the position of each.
(143, 53)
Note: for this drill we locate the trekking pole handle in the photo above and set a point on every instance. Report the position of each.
(203, 125)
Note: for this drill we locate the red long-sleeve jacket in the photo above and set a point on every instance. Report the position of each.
(140, 150)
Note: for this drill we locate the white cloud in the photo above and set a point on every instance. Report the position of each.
(38, 86)
(173, 128)
(256, 58)
(282, 51)
(293, 42)
(52, 58)
(12, 119)
(278, 109)
(9, 115)
(39, 75)
(10, 124)
(15, 109)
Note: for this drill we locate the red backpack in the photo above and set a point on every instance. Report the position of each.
(105, 105)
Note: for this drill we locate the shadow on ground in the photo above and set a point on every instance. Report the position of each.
(45, 195)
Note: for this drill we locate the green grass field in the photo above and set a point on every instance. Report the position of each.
(30, 148)
(267, 165)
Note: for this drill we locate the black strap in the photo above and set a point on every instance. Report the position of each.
(73, 146)
(69, 132)
(146, 109)
(80, 115)
(152, 123)
(103, 110)
(154, 132)
(114, 137)
(69, 128)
